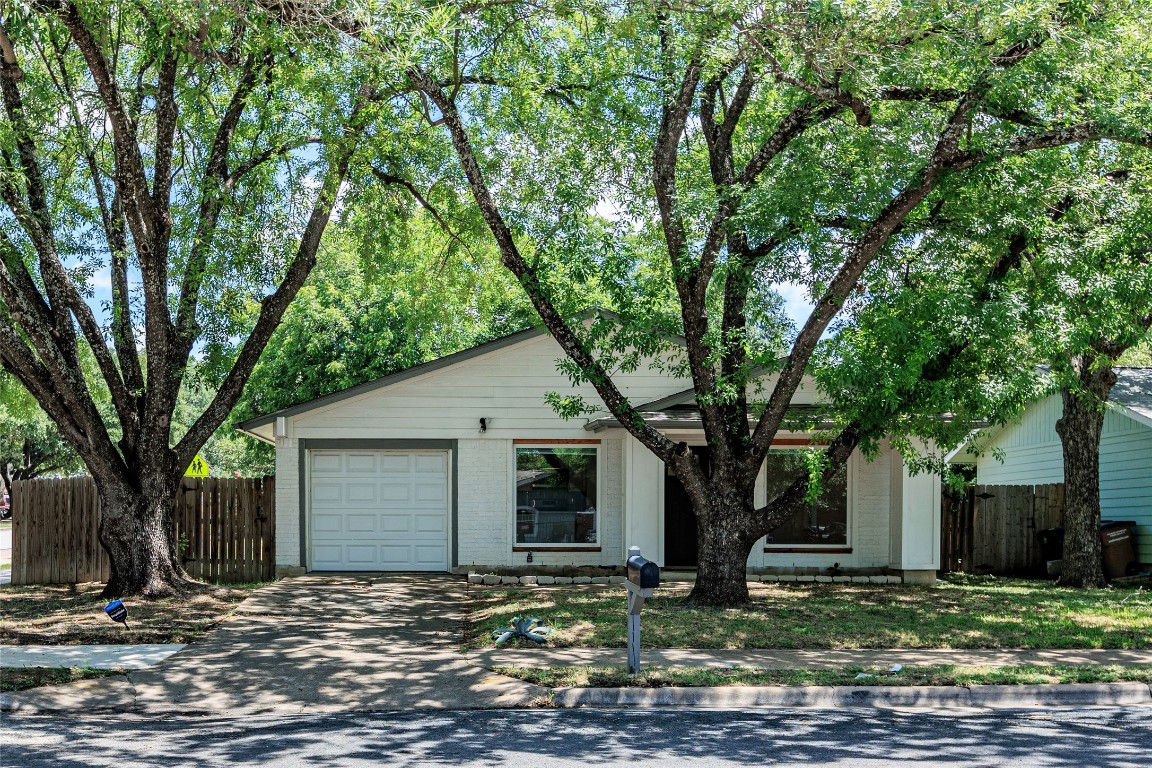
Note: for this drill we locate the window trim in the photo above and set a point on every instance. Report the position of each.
(568, 546)
(849, 512)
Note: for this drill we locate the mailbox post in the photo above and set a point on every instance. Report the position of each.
(643, 577)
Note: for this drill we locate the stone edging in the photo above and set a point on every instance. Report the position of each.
(929, 696)
(493, 579)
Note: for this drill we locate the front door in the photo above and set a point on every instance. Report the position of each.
(680, 544)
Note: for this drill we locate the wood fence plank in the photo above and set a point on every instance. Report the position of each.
(227, 523)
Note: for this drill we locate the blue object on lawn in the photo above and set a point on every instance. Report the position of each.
(117, 612)
(527, 627)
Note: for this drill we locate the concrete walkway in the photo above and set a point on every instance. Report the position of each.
(312, 644)
(815, 659)
(93, 656)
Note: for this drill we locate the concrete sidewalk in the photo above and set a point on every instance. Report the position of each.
(92, 656)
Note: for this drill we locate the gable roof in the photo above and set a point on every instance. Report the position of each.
(1133, 391)
(1131, 396)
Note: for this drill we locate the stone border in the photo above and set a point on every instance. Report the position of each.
(495, 580)
(976, 696)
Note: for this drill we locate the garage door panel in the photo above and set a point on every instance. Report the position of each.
(430, 493)
(379, 510)
(362, 491)
(361, 462)
(396, 555)
(327, 553)
(429, 524)
(326, 463)
(397, 493)
(360, 554)
(430, 555)
(361, 523)
(395, 523)
(327, 492)
(396, 463)
(327, 523)
(431, 464)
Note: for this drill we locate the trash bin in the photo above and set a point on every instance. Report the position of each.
(1051, 549)
(1051, 543)
(1118, 540)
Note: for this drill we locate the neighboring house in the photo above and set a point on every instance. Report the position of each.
(1028, 452)
(460, 463)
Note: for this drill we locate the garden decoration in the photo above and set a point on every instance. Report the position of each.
(528, 627)
(117, 612)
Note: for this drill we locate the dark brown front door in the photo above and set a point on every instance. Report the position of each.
(680, 546)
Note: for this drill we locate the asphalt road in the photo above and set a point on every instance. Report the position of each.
(1102, 738)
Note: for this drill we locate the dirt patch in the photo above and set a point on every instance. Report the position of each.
(67, 614)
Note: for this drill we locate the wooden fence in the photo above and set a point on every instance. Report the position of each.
(993, 528)
(223, 528)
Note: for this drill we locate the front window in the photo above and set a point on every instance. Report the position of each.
(555, 495)
(822, 524)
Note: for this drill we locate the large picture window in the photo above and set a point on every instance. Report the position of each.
(822, 524)
(556, 495)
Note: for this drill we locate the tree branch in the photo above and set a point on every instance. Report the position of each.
(615, 401)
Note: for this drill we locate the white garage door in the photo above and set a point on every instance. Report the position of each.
(379, 510)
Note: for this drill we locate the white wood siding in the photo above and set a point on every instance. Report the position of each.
(506, 387)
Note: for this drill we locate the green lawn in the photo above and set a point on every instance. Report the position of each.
(979, 612)
(616, 677)
(33, 677)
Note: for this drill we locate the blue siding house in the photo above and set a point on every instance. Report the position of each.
(1029, 453)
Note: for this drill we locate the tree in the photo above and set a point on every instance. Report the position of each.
(384, 296)
(197, 154)
(30, 446)
(1068, 238)
(1097, 274)
(749, 144)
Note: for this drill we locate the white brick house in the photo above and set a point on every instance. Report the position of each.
(459, 464)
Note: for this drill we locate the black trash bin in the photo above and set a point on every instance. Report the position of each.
(1118, 540)
(1051, 543)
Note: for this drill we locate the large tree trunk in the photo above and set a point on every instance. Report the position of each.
(1080, 428)
(135, 530)
(726, 531)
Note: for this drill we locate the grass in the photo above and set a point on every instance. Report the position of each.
(617, 677)
(969, 612)
(33, 677)
(74, 615)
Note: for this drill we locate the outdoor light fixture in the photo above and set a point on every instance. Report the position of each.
(483, 424)
(529, 557)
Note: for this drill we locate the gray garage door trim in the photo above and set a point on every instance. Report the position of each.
(307, 444)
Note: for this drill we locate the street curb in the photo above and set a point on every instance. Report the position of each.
(874, 696)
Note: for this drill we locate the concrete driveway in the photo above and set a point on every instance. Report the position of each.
(316, 643)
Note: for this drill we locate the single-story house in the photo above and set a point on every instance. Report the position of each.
(1028, 452)
(459, 464)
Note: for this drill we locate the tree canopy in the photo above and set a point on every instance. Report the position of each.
(688, 161)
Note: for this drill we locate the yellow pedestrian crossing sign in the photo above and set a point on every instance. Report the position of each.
(198, 468)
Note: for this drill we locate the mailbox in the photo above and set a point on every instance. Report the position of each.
(643, 572)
